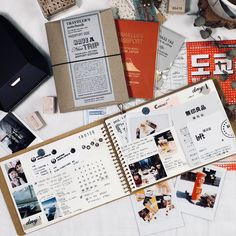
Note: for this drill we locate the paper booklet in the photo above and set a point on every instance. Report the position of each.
(114, 157)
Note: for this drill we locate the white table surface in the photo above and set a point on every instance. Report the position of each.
(114, 219)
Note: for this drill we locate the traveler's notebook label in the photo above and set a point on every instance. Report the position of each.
(86, 56)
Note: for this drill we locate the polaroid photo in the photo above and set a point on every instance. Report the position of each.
(198, 191)
(15, 135)
(141, 125)
(156, 209)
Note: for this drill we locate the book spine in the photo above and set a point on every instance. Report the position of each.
(115, 158)
(121, 159)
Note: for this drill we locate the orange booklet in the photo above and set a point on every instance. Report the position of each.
(138, 42)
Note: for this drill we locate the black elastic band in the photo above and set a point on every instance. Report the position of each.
(94, 58)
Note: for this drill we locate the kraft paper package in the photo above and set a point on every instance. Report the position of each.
(86, 61)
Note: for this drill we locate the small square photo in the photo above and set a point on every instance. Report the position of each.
(147, 171)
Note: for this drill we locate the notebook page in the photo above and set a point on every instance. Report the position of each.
(195, 132)
(63, 178)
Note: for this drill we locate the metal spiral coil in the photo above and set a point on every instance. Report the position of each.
(127, 178)
(115, 160)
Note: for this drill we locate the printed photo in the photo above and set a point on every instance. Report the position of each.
(142, 126)
(51, 209)
(198, 191)
(15, 173)
(26, 202)
(155, 209)
(147, 171)
(165, 143)
(154, 199)
(14, 135)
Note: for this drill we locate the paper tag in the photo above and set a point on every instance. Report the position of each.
(86, 51)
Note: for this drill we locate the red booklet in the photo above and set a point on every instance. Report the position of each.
(138, 42)
(207, 60)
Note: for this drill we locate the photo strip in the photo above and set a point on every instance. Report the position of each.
(198, 191)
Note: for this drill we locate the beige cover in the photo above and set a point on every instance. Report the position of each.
(62, 73)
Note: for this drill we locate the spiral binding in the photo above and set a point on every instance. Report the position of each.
(116, 162)
(121, 160)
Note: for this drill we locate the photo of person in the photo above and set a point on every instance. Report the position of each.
(198, 191)
(147, 171)
(14, 135)
(165, 143)
(16, 173)
(20, 171)
(51, 209)
(26, 201)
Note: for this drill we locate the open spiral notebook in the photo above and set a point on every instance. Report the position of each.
(116, 156)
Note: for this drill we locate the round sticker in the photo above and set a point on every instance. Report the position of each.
(33, 159)
(41, 152)
(145, 110)
(54, 151)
